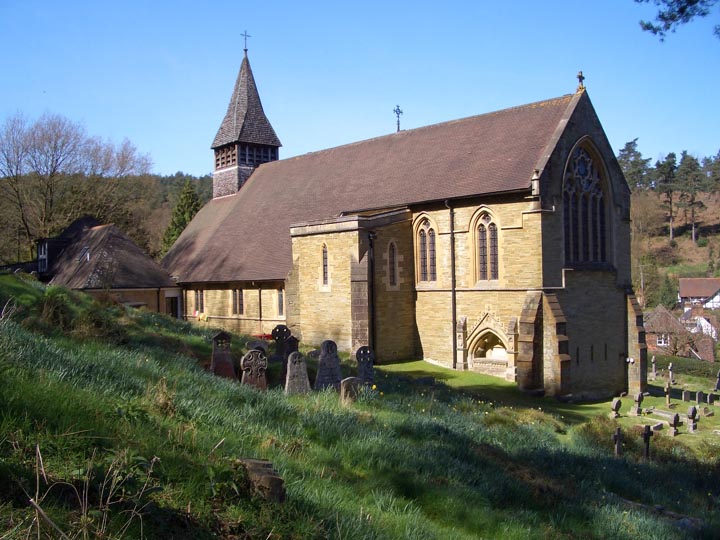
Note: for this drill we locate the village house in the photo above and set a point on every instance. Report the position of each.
(498, 243)
(699, 292)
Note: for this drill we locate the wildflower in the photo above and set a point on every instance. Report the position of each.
(374, 387)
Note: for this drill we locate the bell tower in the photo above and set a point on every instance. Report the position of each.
(245, 138)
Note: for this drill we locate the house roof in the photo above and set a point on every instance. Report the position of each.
(699, 287)
(245, 119)
(245, 236)
(661, 321)
(103, 257)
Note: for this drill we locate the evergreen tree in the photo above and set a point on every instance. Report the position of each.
(187, 206)
(691, 181)
(668, 295)
(634, 166)
(664, 176)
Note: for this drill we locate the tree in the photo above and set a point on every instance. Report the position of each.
(673, 13)
(634, 166)
(664, 176)
(51, 172)
(187, 206)
(691, 181)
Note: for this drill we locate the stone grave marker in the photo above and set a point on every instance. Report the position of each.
(292, 344)
(646, 436)
(668, 390)
(258, 344)
(365, 359)
(654, 368)
(637, 406)
(350, 389)
(692, 418)
(674, 424)
(615, 408)
(711, 399)
(686, 395)
(700, 397)
(280, 334)
(707, 412)
(264, 479)
(671, 376)
(328, 373)
(617, 439)
(253, 366)
(297, 381)
(221, 363)
(717, 382)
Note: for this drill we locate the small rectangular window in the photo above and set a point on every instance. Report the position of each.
(281, 303)
(200, 301)
(238, 307)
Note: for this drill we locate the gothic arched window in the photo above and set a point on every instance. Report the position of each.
(584, 211)
(426, 252)
(487, 249)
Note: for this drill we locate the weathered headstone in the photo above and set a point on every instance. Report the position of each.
(637, 406)
(711, 399)
(297, 381)
(264, 479)
(221, 363)
(253, 366)
(671, 376)
(258, 344)
(365, 359)
(685, 395)
(350, 389)
(654, 368)
(328, 373)
(668, 390)
(692, 417)
(674, 425)
(646, 436)
(292, 344)
(717, 382)
(707, 412)
(617, 439)
(700, 397)
(615, 408)
(280, 334)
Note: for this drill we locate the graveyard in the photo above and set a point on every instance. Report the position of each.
(207, 434)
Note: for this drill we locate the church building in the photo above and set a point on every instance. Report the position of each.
(498, 243)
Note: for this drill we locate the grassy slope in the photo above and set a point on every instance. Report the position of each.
(467, 457)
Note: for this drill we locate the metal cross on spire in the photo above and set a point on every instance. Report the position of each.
(245, 35)
(580, 78)
(397, 112)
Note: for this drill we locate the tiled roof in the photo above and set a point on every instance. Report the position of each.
(103, 257)
(699, 287)
(245, 119)
(245, 236)
(661, 321)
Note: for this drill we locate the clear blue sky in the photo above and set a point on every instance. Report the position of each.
(160, 73)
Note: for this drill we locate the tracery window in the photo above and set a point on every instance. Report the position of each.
(584, 211)
(325, 271)
(487, 249)
(426, 252)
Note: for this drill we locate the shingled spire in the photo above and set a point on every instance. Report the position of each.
(245, 138)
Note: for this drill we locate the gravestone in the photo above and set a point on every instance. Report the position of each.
(637, 406)
(280, 334)
(707, 412)
(674, 424)
(671, 376)
(292, 344)
(692, 417)
(615, 408)
(350, 389)
(717, 382)
(221, 363)
(265, 482)
(654, 368)
(297, 381)
(700, 397)
(257, 344)
(668, 390)
(253, 366)
(365, 359)
(685, 395)
(646, 436)
(328, 373)
(711, 399)
(617, 439)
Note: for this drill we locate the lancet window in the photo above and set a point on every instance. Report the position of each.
(426, 252)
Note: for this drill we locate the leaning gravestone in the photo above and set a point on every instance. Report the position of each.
(692, 417)
(297, 381)
(615, 408)
(365, 359)
(637, 406)
(253, 366)
(221, 363)
(350, 389)
(328, 373)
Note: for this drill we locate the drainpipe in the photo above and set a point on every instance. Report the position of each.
(453, 299)
(372, 338)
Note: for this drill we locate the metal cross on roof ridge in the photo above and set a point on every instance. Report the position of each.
(245, 35)
(580, 78)
(397, 112)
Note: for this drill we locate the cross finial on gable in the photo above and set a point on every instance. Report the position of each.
(580, 78)
(245, 35)
(397, 112)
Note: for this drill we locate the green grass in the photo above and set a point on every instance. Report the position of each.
(463, 457)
